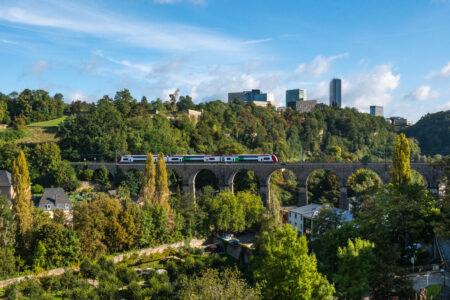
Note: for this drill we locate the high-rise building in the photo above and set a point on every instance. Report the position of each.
(376, 111)
(335, 93)
(295, 95)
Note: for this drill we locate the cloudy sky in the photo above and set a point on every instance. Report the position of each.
(390, 53)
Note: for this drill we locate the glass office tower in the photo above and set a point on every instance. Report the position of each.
(335, 93)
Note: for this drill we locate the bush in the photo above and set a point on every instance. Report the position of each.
(89, 269)
(126, 275)
(37, 189)
(86, 175)
(12, 135)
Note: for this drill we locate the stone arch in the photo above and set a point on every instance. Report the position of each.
(340, 193)
(254, 184)
(290, 184)
(205, 174)
(373, 172)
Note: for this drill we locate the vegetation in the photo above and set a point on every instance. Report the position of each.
(49, 123)
(432, 133)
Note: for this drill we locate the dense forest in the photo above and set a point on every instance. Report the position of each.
(125, 125)
(433, 133)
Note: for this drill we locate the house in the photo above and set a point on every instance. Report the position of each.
(54, 198)
(6, 184)
(303, 217)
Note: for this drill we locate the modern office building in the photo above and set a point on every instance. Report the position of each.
(335, 93)
(376, 111)
(261, 99)
(295, 95)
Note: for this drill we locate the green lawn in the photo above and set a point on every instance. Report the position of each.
(50, 123)
(433, 291)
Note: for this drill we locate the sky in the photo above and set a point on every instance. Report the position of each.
(390, 53)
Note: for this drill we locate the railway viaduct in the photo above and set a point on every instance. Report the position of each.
(226, 172)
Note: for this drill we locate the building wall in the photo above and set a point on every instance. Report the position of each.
(7, 191)
(296, 220)
(376, 111)
(303, 106)
(295, 95)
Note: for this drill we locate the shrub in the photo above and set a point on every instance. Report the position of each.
(37, 189)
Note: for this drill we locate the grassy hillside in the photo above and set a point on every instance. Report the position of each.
(50, 123)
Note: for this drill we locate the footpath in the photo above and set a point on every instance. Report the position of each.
(193, 243)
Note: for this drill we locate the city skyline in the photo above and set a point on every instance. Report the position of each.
(86, 50)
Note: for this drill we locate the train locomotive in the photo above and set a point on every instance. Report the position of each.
(239, 158)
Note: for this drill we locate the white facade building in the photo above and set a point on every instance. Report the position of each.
(303, 217)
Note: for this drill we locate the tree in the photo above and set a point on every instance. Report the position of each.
(253, 207)
(289, 272)
(162, 187)
(147, 193)
(401, 168)
(211, 284)
(22, 190)
(271, 219)
(355, 264)
(7, 239)
(39, 257)
(101, 176)
(225, 212)
(363, 181)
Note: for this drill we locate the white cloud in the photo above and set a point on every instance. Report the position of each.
(371, 88)
(250, 42)
(422, 93)
(318, 66)
(146, 34)
(39, 67)
(441, 74)
(443, 107)
(78, 95)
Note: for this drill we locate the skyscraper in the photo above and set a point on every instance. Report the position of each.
(295, 95)
(376, 111)
(335, 93)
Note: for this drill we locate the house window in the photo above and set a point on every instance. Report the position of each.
(48, 206)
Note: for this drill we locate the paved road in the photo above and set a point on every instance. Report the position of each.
(420, 280)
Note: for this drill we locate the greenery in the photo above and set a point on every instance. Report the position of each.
(50, 123)
(9, 135)
(286, 268)
(432, 133)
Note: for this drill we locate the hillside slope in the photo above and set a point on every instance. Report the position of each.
(433, 133)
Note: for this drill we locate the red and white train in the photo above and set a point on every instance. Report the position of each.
(260, 158)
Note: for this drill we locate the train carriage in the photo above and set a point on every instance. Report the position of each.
(260, 158)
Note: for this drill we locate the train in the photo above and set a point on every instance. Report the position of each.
(239, 158)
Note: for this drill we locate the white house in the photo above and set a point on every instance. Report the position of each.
(303, 217)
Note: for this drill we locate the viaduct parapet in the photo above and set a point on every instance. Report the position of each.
(226, 172)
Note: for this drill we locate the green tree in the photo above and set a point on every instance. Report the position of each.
(162, 188)
(101, 176)
(211, 284)
(355, 265)
(39, 257)
(7, 239)
(225, 212)
(363, 181)
(401, 168)
(147, 193)
(271, 219)
(22, 190)
(253, 207)
(282, 262)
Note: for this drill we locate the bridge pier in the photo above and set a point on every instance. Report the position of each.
(264, 192)
(302, 196)
(343, 201)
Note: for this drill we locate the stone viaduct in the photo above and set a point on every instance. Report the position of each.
(225, 174)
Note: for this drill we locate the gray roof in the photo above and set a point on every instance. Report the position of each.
(312, 210)
(5, 178)
(53, 196)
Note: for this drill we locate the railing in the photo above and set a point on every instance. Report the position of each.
(441, 252)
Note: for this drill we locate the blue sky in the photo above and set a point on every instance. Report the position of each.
(390, 53)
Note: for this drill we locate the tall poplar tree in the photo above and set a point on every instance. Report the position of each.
(162, 187)
(22, 190)
(147, 193)
(401, 168)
